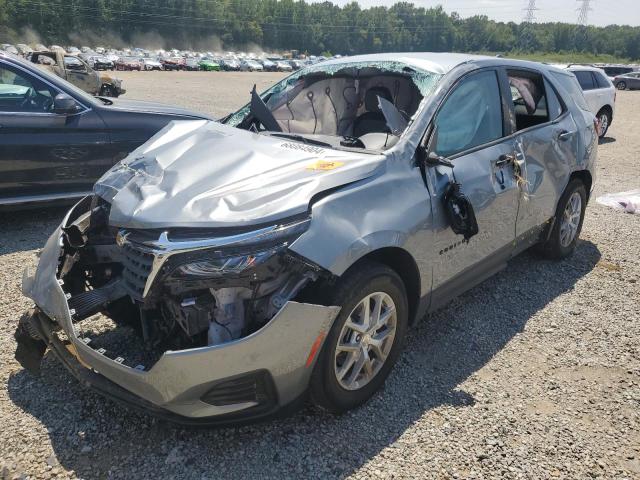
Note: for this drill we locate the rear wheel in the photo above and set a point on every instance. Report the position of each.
(604, 119)
(365, 340)
(621, 85)
(568, 222)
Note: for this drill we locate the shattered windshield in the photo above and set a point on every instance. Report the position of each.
(362, 104)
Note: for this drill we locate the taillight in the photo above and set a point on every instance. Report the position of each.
(596, 125)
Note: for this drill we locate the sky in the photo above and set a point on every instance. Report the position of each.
(603, 12)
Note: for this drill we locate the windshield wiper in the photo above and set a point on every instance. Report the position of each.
(104, 100)
(260, 110)
(300, 138)
(393, 117)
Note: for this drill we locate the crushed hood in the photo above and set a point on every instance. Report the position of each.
(205, 174)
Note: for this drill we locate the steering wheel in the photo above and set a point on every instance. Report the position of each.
(46, 104)
(29, 98)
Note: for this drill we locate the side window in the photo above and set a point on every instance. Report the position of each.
(530, 101)
(585, 79)
(19, 93)
(470, 116)
(73, 63)
(572, 87)
(553, 102)
(601, 80)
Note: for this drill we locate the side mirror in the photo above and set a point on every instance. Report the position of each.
(426, 154)
(433, 160)
(63, 104)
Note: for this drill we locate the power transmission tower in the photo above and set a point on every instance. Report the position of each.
(526, 32)
(583, 20)
(530, 12)
(583, 12)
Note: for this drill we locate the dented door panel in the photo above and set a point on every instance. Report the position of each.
(494, 194)
(545, 154)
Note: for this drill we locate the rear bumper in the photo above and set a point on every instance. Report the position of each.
(180, 386)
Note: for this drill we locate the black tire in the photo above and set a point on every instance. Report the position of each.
(554, 248)
(604, 117)
(367, 278)
(621, 85)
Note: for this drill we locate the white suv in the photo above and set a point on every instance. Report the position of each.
(599, 92)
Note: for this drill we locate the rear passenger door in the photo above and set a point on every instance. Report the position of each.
(546, 141)
(470, 129)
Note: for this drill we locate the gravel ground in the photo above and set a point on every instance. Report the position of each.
(533, 374)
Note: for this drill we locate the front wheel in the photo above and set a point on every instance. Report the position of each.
(365, 340)
(621, 85)
(568, 222)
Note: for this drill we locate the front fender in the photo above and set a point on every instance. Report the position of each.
(389, 210)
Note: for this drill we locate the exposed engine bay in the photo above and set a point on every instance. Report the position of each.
(183, 298)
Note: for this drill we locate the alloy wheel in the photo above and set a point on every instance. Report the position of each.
(570, 219)
(365, 341)
(604, 122)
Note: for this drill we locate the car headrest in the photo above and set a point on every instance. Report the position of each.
(371, 98)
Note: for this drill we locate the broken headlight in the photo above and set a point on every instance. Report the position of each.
(233, 255)
(220, 266)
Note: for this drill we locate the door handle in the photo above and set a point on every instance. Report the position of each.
(565, 135)
(505, 159)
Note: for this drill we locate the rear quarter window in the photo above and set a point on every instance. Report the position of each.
(571, 86)
(601, 80)
(585, 79)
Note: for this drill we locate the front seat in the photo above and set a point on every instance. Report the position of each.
(372, 120)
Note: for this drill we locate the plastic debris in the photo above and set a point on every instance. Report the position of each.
(628, 202)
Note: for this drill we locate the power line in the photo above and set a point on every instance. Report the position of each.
(155, 19)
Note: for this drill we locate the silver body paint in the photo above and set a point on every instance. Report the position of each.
(198, 174)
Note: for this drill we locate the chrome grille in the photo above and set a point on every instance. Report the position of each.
(137, 265)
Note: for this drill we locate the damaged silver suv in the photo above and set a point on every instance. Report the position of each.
(281, 253)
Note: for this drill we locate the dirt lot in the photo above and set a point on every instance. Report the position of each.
(216, 93)
(533, 374)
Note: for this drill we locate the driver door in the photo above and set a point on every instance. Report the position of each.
(471, 131)
(44, 154)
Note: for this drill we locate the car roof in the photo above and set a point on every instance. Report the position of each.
(589, 68)
(439, 62)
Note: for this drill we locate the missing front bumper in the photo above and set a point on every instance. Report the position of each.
(266, 407)
(177, 383)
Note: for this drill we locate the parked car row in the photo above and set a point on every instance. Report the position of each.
(139, 59)
(204, 64)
